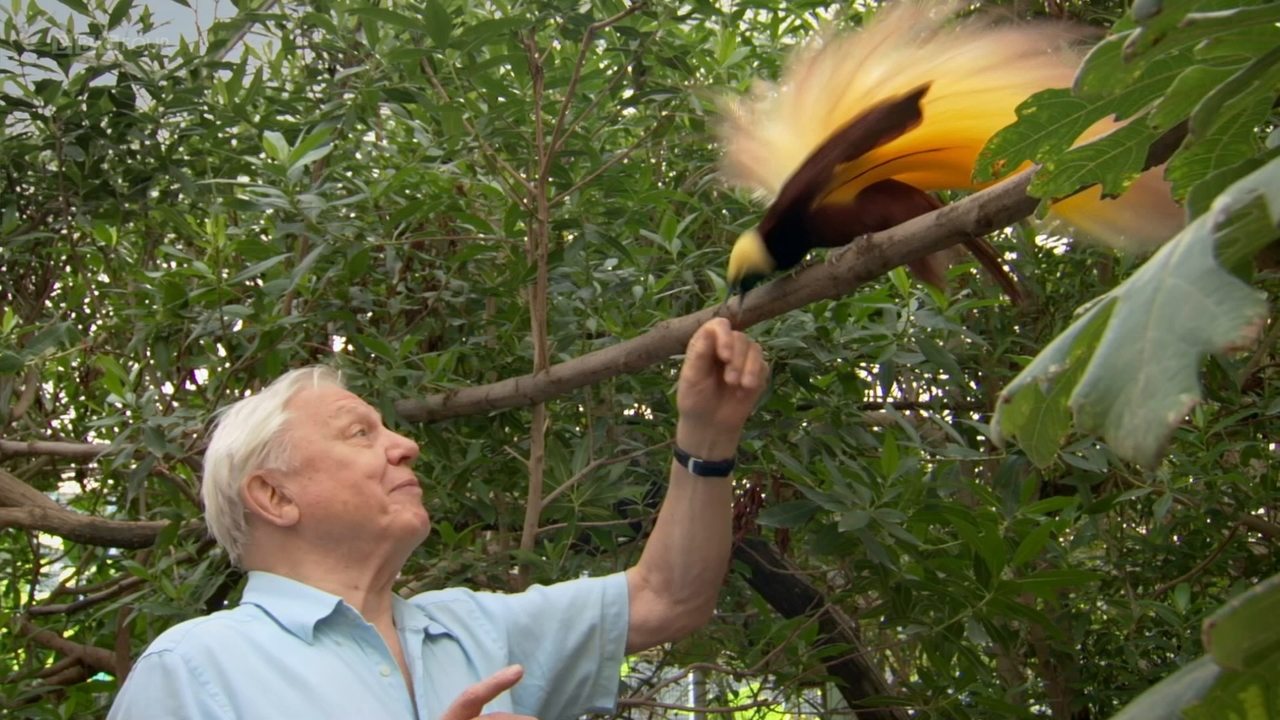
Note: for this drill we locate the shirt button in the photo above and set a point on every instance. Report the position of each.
(386, 671)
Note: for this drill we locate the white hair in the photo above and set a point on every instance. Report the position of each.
(248, 436)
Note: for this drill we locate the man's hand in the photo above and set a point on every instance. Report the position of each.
(723, 376)
(473, 699)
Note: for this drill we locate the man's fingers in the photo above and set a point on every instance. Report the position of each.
(472, 700)
(735, 370)
(755, 371)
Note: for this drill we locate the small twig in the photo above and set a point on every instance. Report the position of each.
(596, 523)
(488, 150)
(30, 383)
(715, 710)
(1256, 362)
(619, 157)
(592, 467)
(1200, 566)
(122, 588)
(556, 137)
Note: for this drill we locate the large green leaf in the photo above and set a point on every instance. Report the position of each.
(1138, 379)
(1243, 633)
(1166, 699)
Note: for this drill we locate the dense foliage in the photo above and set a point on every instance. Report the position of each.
(434, 195)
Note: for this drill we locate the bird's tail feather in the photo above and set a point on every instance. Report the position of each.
(979, 70)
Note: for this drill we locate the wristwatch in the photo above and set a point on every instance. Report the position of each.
(704, 468)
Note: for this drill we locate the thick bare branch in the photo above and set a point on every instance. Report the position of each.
(864, 260)
(95, 657)
(777, 580)
(15, 493)
(1258, 525)
(69, 450)
(31, 509)
(81, 528)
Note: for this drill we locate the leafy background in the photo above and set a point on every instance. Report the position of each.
(435, 195)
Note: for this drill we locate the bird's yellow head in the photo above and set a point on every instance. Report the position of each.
(749, 262)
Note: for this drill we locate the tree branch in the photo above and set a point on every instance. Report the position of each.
(122, 587)
(70, 450)
(1200, 566)
(85, 529)
(776, 580)
(592, 467)
(1258, 525)
(558, 132)
(865, 259)
(95, 657)
(15, 493)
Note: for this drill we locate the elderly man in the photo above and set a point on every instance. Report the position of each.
(318, 502)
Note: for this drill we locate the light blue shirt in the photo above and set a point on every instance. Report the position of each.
(294, 652)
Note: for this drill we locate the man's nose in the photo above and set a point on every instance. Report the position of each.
(402, 450)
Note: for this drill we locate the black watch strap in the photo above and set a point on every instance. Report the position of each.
(704, 468)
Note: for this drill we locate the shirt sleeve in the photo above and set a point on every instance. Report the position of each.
(570, 637)
(163, 685)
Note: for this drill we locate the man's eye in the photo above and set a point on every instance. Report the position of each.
(360, 431)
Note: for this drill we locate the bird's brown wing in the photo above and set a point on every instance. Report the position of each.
(887, 203)
(871, 129)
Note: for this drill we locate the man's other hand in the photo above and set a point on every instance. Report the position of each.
(472, 700)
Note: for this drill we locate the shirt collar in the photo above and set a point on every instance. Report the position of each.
(299, 607)
(411, 619)
(296, 606)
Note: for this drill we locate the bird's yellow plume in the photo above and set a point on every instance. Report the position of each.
(978, 72)
(749, 261)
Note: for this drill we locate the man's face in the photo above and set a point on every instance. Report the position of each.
(351, 478)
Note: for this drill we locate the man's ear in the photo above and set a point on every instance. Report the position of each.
(266, 498)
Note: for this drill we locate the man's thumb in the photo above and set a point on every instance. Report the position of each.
(472, 700)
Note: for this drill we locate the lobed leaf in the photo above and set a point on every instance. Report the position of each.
(1132, 359)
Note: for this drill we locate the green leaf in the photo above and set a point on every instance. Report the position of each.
(1035, 408)
(1259, 78)
(1165, 700)
(1204, 192)
(1048, 123)
(1032, 544)
(1243, 632)
(310, 144)
(275, 146)
(257, 269)
(940, 358)
(1231, 140)
(1050, 505)
(790, 514)
(79, 6)
(1156, 18)
(119, 13)
(1047, 580)
(438, 21)
(1252, 694)
(1187, 92)
(854, 520)
(389, 17)
(1114, 160)
(1143, 355)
